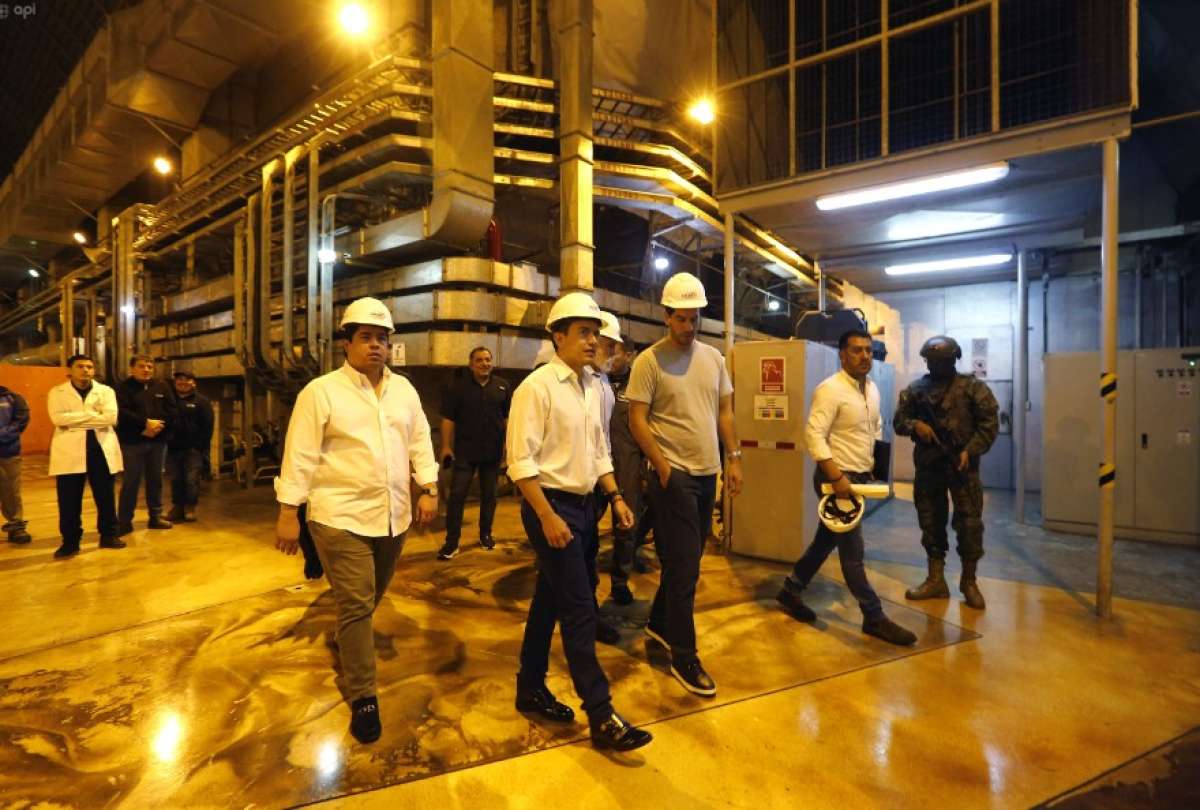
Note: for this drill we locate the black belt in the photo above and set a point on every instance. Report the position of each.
(568, 497)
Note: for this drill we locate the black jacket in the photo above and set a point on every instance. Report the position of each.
(137, 402)
(14, 418)
(194, 427)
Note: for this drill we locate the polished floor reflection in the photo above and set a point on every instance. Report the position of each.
(195, 669)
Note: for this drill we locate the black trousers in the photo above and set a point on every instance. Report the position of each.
(460, 484)
(141, 459)
(682, 521)
(184, 466)
(850, 554)
(70, 497)
(564, 595)
(629, 469)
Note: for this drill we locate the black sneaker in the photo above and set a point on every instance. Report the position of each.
(487, 541)
(124, 529)
(19, 537)
(112, 542)
(790, 600)
(884, 628)
(449, 551)
(606, 633)
(64, 551)
(364, 719)
(656, 636)
(614, 732)
(693, 678)
(621, 594)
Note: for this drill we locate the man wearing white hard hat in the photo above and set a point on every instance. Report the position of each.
(357, 439)
(556, 456)
(680, 398)
(840, 435)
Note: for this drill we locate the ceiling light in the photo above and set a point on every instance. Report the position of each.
(162, 165)
(79, 237)
(928, 224)
(34, 273)
(911, 188)
(773, 305)
(354, 19)
(961, 263)
(702, 111)
(661, 263)
(326, 256)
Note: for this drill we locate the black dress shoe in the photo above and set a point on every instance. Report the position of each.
(606, 633)
(112, 542)
(790, 600)
(448, 551)
(64, 551)
(615, 733)
(884, 628)
(544, 704)
(364, 719)
(159, 522)
(19, 537)
(124, 529)
(487, 541)
(621, 594)
(693, 678)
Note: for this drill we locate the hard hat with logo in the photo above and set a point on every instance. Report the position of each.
(610, 327)
(368, 312)
(841, 515)
(684, 291)
(941, 347)
(574, 305)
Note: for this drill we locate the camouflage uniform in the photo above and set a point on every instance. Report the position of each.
(966, 417)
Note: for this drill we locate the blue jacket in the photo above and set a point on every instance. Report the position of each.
(14, 418)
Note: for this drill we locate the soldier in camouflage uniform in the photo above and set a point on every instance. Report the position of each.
(953, 419)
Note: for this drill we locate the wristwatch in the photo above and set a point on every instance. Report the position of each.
(430, 491)
(733, 454)
(615, 496)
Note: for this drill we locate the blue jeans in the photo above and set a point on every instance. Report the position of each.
(141, 458)
(460, 483)
(850, 554)
(564, 595)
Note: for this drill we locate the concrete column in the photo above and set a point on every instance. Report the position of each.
(575, 145)
(1108, 379)
(729, 271)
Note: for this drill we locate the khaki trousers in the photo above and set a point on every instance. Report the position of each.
(359, 569)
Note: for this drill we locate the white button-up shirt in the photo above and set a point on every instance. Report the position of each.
(555, 431)
(844, 423)
(608, 402)
(348, 452)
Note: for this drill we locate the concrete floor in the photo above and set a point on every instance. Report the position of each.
(193, 669)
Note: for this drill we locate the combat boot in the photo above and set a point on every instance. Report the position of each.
(970, 590)
(934, 586)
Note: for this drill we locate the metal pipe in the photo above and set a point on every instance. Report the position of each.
(729, 300)
(1045, 304)
(995, 77)
(1162, 305)
(287, 353)
(822, 289)
(325, 329)
(885, 86)
(1109, 294)
(1021, 377)
(1137, 297)
(239, 289)
(311, 339)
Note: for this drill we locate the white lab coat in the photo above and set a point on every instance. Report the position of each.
(73, 418)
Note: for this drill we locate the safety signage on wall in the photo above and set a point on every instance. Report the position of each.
(399, 357)
(770, 409)
(1183, 389)
(772, 375)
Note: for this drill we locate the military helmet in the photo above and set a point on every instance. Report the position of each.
(941, 347)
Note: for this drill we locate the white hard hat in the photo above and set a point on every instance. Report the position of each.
(610, 327)
(574, 305)
(684, 291)
(841, 515)
(369, 312)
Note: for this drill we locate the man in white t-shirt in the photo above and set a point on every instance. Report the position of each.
(680, 398)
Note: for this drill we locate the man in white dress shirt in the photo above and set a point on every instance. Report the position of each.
(556, 455)
(353, 436)
(842, 428)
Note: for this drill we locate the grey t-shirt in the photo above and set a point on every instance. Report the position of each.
(683, 390)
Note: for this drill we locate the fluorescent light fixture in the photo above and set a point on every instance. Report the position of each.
(961, 263)
(79, 237)
(926, 224)
(661, 263)
(326, 256)
(34, 273)
(773, 305)
(702, 111)
(911, 188)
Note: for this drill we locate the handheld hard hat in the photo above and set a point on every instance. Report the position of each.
(610, 327)
(684, 291)
(841, 515)
(941, 347)
(368, 312)
(574, 305)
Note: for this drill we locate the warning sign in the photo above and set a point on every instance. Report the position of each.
(770, 409)
(1183, 389)
(772, 377)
